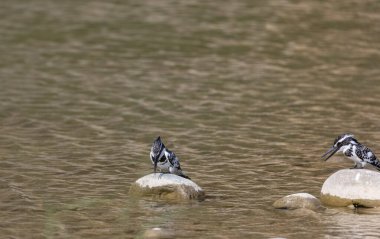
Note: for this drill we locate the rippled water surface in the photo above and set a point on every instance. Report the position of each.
(249, 94)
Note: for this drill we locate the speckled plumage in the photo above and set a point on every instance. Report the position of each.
(157, 147)
(166, 160)
(351, 148)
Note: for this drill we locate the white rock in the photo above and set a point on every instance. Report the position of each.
(168, 186)
(298, 200)
(352, 187)
(157, 233)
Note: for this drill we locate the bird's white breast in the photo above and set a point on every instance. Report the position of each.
(354, 158)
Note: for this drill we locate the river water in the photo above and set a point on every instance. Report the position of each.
(248, 94)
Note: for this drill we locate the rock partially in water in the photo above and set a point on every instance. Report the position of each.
(359, 187)
(298, 200)
(157, 233)
(169, 186)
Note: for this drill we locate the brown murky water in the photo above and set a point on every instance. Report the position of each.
(249, 94)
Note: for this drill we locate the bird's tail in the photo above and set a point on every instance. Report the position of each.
(376, 163)
(184, 176)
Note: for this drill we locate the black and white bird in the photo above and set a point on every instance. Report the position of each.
(351, 148)
(164, 159)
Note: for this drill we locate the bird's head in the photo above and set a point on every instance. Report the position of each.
(339, 144)
(156, 152)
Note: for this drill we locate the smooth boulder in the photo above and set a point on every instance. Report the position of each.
(298, 200)
(157, 233)
(358, 187)
(169, 186)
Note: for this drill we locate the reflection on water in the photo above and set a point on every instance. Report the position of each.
(248, 94)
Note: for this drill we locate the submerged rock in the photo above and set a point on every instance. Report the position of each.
(157, 233)
(168, 186)
(358, 187)
(298, 200)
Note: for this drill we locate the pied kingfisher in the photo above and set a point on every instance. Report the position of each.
(164, 159)
(350, 147)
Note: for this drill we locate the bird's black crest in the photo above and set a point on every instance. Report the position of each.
(157, 146)
(342, 136)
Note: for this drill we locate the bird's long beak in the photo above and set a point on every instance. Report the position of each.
(331, 151)
(155, 160)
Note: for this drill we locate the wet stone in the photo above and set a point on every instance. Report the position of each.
(298, 200)
(167, 186)
(157, 233)
(347, 187)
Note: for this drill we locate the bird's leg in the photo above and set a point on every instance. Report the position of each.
(355, 166)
